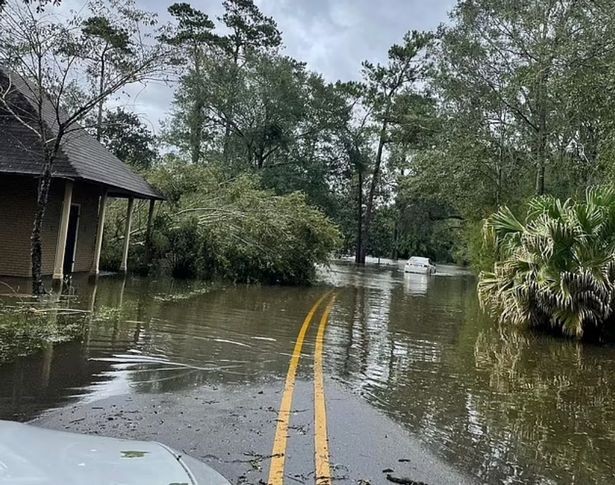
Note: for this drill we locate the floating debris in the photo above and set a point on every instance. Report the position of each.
(403, 481)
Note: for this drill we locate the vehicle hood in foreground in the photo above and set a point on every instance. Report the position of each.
(31, 455)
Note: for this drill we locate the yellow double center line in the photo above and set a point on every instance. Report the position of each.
(321, 440)
(323, 473)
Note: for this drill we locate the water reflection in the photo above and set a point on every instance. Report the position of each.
(146, 336)
(505, 406)
(417, 284)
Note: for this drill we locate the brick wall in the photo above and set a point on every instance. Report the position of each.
(51, 224)
(15, 193)
(17, 206)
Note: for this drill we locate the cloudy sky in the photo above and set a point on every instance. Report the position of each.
(332, 36)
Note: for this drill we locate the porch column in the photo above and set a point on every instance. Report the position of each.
(102, 210)
(148, 233)
(58, 267)
(124, 265)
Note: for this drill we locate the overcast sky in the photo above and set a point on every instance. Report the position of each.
(332, 36)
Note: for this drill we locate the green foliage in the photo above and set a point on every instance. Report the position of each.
(216, 227)
(555, 268)
(243, 107)
(272, 113)
(111, 42)
(518, 110)
(386, 92)
(27, 328)
(473, 249)
(128, 138)
(114, 39)
(250, 28)
(193, 27)
(414, 229)
(211, 95)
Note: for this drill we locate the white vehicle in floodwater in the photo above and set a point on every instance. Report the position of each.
(420, 265)
(31, 455)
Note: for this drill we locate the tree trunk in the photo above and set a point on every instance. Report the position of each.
(101, 105)
(227, 138)
(500, 164)
(42, 197)
(148, 232)
(196, 131)
(395, 252)
(541, 151)
(369, 208)
(498, 186)
(196, 117)
(359, 245)
(229, 107)
(540, 178)
(36, 243)
(541, 134)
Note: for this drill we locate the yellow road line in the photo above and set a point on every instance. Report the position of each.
(276, 470)
(321, 439)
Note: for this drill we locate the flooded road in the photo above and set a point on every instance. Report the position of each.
(417, 380)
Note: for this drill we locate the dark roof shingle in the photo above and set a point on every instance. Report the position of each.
(82, 156)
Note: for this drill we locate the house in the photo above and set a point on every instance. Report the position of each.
(85, 175)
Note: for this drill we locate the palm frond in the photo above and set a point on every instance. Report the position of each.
(558, 267)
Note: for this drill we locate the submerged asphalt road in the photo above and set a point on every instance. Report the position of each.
(284, 431)
(232, 429)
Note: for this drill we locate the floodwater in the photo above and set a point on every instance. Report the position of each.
(500, 406)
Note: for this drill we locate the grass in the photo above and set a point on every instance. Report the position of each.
(26, 328)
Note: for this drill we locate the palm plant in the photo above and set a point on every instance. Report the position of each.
(557, 268)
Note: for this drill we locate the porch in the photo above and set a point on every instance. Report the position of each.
(73, 227)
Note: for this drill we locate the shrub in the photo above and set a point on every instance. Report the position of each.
(557, 268)
(212, 226)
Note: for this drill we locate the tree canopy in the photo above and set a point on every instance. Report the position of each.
(505, 101)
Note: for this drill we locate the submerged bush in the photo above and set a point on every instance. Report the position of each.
(211, 226)
(26, 329)
(557, 268)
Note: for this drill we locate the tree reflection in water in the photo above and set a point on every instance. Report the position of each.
(504, 405)
(556, 398)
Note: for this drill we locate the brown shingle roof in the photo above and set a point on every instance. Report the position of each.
(82, 157)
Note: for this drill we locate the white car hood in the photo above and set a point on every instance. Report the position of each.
(36, 456)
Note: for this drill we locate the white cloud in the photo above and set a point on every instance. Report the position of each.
(335, 36)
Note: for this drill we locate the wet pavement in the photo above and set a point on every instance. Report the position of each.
(231, 428)
(418, 383)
